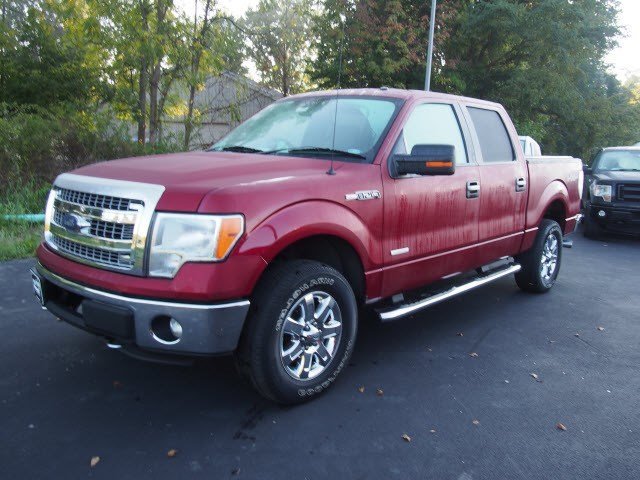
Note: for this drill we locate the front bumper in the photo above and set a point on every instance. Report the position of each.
(207, 329)
(625, 219)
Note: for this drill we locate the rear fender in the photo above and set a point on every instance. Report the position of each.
(556, 190)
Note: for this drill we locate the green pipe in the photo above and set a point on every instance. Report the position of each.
(26, 217)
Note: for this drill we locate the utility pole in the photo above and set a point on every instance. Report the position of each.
(432, 24)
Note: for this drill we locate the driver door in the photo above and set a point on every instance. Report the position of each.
(431, 222)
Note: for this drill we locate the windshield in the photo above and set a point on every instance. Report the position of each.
(618, 160)
(305, 126)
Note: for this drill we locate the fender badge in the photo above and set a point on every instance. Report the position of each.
(363, 195)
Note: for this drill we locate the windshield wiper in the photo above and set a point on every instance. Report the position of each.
(320, 150)
(238, 149)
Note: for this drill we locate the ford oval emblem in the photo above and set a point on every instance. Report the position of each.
(72, 222)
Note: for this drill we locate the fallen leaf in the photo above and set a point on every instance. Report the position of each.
(560, 426)
(117, 384)
(460, 334)
(406, 437)
(476, 422)
(601, 329)
(535, 376)
(361, 389)
(172, 453)
(432, 430)
(429, 350)
(379, 392)
(473, 354)
(94, 461)
(576, 334)
(235, 471)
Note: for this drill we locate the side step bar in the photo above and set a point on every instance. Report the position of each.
(394, 313)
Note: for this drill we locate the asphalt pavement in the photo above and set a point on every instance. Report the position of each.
(65, 398)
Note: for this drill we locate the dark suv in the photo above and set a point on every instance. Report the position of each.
(612, 192)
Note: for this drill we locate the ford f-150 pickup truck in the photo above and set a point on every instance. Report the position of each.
(266, 245)
(612, 193)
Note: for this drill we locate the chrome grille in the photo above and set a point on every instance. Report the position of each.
(97, 200)
(93, 254)
(102, 229)
(100, 222)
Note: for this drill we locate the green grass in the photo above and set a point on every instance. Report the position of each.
(19, 239)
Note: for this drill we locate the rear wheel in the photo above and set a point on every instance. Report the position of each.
(300, 333)
(541, 264)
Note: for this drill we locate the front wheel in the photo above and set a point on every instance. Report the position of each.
(300, 333)
(541, 264)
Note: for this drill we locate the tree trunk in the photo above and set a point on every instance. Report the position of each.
(154, 85)
(154, 116)
(198, 40)
(142, 101)
(143, 80)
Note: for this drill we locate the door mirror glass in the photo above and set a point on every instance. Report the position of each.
(425, 160)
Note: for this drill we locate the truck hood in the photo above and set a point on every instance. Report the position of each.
(188, 177)
(619, 176)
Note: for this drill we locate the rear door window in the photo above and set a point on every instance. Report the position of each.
(495, 143)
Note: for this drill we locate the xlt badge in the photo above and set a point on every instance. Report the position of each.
(363, 195)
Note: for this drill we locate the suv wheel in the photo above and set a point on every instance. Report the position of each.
(541, 263)
(300, 333)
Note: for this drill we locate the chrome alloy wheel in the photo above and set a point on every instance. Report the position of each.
(549, 259)
(310, 335)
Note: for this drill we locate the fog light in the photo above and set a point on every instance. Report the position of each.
(166, 330)
(175, 327)
(602, 213)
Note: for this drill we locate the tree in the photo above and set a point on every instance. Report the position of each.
(278, 42)
(543, 59)
(384, 42)
(47, 55)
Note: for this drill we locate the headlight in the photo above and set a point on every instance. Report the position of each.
(179, 238)
(602, 191)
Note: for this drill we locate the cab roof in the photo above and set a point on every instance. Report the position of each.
(387, 92)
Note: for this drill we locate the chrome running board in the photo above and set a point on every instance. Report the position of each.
(396, 312)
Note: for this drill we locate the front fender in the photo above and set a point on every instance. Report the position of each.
(307, 219)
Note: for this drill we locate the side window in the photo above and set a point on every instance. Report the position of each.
(492, 135)
(434, 124)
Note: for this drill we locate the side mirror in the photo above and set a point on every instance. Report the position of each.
(586, 169)
(425, 160)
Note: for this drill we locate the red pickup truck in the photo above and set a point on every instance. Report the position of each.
(267, 244)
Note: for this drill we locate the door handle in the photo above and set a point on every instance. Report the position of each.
(521, 184)
(473, 189)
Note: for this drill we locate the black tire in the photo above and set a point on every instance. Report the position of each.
(591, 228)
(532, 278)
(259, 356)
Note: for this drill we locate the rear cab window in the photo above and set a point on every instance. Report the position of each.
(495, 143)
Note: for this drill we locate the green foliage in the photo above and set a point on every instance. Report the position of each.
(278, 33)
(47, 57)
(543, 59)
(37, 144)
(19, 239)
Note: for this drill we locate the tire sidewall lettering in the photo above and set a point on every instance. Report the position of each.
(299, 292)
